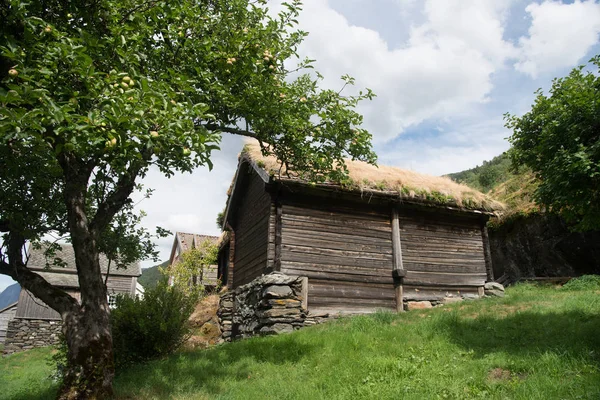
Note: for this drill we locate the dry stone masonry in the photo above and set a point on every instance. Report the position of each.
(272, 304)
(25, 334)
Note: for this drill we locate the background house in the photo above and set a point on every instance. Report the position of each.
(389, 237)
(188, 241)
(35, 324)
(6, 314)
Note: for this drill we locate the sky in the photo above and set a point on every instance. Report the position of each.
(444, 72)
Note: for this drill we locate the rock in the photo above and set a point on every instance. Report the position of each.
(448, 300)
(418, 305)
(493, 286)
(470, 296)
(276, 329)
(278, 312)
(288, 303)
(494, 293)
(275, 291)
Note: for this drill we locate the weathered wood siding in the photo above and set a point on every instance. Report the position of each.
(5, 316)
(31, 307)
(251, 232)
(346, 255)
(441, 255)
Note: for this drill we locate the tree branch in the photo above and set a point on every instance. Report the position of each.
(228, 129)
(118, 197)
(56, 298)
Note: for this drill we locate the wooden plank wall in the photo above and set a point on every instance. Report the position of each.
(31, 307)
(251, 232)
(441, 254)
(5, 317)
(346, 255)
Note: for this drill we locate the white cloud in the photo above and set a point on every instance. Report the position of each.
(559, 36)
(190, 202)
(444, 67)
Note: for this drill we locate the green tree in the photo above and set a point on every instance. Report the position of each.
(559, 140)
(188, 272)
(93, 94)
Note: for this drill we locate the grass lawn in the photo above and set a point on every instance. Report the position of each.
(537, 343)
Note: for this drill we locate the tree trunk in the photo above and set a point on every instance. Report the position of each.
(90, 365)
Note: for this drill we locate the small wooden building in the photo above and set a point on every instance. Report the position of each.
(120, 281)
(390, 237)
(187, 241)
(6, 315)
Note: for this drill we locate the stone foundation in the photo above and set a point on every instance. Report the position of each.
(272, 304)
(25, 334)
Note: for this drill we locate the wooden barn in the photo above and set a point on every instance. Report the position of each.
(120, 281)
(391, 236)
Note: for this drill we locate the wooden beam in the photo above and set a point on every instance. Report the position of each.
(278, 224)
(398, 271)
(487, 255)
(396, 245)
(305, 293)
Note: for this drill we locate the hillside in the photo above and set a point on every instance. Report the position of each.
(536, 343)
(9, 295)
(500, 181)
(150, 276)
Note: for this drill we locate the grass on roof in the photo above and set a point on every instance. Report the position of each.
(405, 184)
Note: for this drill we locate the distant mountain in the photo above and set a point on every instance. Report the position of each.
(10, 295)
(150, 276)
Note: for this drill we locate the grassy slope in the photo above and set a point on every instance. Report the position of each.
(497, 179)
(538, 343)
(150, 276)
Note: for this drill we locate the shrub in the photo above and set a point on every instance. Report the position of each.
(585, 282)
(152, 326)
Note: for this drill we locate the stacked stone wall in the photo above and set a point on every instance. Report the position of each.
(271, 304)
(25, 334)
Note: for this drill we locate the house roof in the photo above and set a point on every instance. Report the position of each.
(8, 307)
(191, 240)
(38, 261)
(397, 183)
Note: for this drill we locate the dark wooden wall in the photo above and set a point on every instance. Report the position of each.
(441, 254)
(346, 255)
(251, 231)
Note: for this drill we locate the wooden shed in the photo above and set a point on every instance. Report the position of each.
(122, 280)
(388, 237)
(6, 315)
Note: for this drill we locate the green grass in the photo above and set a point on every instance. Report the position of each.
(537, 343)
(26, 375)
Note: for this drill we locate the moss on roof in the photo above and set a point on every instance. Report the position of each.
(385, 180)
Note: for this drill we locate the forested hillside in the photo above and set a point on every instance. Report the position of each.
(150, 276)
(497, 178)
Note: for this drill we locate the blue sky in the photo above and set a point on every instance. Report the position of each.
(444, 71)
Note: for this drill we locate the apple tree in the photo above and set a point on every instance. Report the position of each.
(95, 93)
(559, 140)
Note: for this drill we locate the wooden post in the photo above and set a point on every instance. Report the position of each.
(305, 293)
(398, 269)
(487, 255)
(278, 214)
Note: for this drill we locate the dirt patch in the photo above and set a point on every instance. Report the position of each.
(205, 324)
(503, 375)
(205, 310)
(499, 374)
